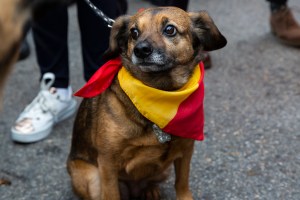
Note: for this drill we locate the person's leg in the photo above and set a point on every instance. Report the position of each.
(283, 24)
(276, 4)
(95, 33)
(24, 48)
(183, 4)
(50, 34)
(54, 102)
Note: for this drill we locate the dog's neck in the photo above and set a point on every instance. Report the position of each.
(158, 106)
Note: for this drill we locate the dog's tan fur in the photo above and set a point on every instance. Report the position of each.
(12, 19)
(115, 154)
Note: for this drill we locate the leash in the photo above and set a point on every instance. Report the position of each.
(100, 14)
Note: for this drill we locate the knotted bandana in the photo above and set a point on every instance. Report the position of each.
(178, 112)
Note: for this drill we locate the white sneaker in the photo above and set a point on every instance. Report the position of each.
(48, 108)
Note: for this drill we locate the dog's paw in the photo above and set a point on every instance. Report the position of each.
(151, 193)
(185, 197)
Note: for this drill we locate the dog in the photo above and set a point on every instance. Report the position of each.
(115, 152)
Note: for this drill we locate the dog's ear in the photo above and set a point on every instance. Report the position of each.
(205, 32)
(118, 37)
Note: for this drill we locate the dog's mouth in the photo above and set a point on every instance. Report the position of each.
(153, 63)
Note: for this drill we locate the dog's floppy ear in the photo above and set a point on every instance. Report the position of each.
(205, 32)
(118, 37)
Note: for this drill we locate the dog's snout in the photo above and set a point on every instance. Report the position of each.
(143, 49)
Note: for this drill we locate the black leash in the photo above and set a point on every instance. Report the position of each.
(98, 12)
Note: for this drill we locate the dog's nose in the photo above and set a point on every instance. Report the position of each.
(143, 49)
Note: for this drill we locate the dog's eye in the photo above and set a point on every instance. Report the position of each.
(170, 30)
(134, 33)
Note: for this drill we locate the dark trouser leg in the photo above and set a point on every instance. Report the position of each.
(94, 33)
(24, 48)
(50, 34)
(183, 4)
(278, 1)
(276, 4)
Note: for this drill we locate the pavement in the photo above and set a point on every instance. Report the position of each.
(252, 110)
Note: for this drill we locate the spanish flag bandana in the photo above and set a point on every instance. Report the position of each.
(178, 113)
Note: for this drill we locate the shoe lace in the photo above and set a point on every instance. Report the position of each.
(41, 103)
(44, 101)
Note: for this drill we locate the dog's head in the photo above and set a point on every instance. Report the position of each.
(161, 46)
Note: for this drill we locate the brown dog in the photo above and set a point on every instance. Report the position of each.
(115, 153)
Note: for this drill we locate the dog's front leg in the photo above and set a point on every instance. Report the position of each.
(109, 186)
(182, 170)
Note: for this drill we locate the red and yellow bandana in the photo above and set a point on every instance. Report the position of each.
(177, 112)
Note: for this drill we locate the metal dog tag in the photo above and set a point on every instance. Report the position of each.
(162, 137)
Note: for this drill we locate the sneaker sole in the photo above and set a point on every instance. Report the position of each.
(33, 137)
(37, 136)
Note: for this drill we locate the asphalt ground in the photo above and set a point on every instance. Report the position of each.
(252, 128)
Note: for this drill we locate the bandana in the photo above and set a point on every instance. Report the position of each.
(178, 112)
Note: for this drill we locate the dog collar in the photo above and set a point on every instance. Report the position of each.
(178, 113)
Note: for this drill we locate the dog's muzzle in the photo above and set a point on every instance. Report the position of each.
(149, 59)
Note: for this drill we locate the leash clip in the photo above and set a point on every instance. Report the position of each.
(110, 22)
